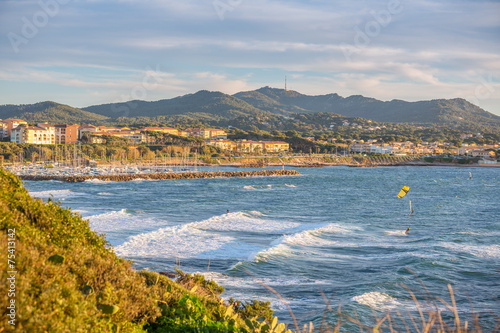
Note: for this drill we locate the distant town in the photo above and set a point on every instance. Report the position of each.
(46, 134)
(19, 131)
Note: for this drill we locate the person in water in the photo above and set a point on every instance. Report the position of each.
(228, 211)
(407, 230)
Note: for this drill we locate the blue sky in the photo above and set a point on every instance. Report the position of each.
(87, 52)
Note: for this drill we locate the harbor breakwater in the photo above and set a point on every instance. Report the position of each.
(163, 176)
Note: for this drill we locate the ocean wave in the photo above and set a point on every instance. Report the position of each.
(206, 239)
(305, 238)
(258, 187)
(250, 282)
(240, 221)
(97, 181)
(184, 242)
(121, 220)
(481, 251)
(56, 194)
(396, 233)
(378, 300)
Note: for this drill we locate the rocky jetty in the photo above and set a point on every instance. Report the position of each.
(165, 176)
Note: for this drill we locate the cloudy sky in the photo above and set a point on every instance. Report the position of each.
(86, 52)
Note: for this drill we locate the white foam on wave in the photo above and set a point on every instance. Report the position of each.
(179, 241)
(140, 180)
(240, 221)
(307, 238)
(377, 300)
(313, 237)
(184, 242)
(289, 185)
(56, 194)
(97, 181)
(104, 193)
(250, 282)
(258, 187)
(255, 213)
(481, 251)
(205, 239)
(396, 233)
(120, 220)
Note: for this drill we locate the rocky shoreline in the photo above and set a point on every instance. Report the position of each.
(164, 176)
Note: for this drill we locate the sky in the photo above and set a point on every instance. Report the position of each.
(88, 52)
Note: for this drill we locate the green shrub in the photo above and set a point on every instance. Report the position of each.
(253, 309)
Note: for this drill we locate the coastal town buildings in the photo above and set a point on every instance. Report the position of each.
(7, 125)
(424, 148)
(275, 146)
(3, 129)
(44, 134)
(19, 131)
(206, 133)
(166, 130)
(85, 130)
(227, 145)
(66, 134)
(249, 146)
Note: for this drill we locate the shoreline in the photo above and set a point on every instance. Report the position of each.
(162, 176)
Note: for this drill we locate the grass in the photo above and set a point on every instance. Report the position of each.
(68, 279)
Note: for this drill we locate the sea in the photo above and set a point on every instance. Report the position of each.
(331, 238)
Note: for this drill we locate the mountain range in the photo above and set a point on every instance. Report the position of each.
(217, 108)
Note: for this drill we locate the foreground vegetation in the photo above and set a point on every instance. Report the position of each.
(68, 279)
(64, 277)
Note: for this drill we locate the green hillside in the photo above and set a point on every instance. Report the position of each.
(253, 109)
(50, 112)
(217, 104)
(454, 113)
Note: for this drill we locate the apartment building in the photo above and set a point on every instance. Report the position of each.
(66, 134)
(275, 146)
(213, 133)
(3, 130)
(86, 130)
(7, 125)
(206, 133)
(135, 136)
(223, 144)
(43, 135)
(247, 146)
(166, 130)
